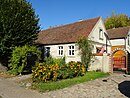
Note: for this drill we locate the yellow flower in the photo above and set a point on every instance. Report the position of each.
(83, 69)
(40, 70)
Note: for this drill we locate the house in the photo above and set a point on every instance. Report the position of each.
(61, 41)
(120, 41)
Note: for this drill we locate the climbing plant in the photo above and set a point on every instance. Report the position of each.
(85, 47)
(18, 61)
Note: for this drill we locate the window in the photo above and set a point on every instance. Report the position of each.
(47, 52)
(71, 51)
(60, 50)
(98, 49)
(128, 39)
(100, 34)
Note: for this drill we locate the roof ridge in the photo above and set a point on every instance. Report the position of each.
(67, 33)
(72, 23)
(119, 28)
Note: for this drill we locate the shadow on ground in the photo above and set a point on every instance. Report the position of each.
(124, 88)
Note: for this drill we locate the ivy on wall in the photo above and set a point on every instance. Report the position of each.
(86, 48)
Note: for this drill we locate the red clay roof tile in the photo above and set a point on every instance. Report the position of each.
(67, 33)
(121, 32)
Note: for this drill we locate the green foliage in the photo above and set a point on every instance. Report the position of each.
(50, 60)
(18, 24)
(86, 48)
(53, 72)
(18, 61)
(128, 72)
(68, 82)
(117, 20)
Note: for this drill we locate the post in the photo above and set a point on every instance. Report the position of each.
(105, 64)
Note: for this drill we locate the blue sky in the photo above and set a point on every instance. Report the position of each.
(58, 12)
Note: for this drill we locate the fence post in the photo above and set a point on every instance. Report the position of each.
(105, 64)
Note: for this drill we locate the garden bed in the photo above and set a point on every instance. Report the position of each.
(49, 86)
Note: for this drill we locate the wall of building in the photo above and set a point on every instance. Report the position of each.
(117, 42)
(54, 52)
(94, 36)
(128, 45)
(76, 57)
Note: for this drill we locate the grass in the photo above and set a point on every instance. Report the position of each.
(42, 87)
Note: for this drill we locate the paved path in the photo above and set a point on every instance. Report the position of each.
(110, 87)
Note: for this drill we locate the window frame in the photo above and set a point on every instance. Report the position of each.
(71, 50)
(129, 40)
(60, 51)
(47, 51)
(100, 33)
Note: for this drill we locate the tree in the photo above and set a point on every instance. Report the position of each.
(117, 20)
(86, 48)
(18, 25)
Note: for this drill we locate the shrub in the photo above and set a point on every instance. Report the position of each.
(75, 69)
(50, 60)
(18, 61)
(53, 72)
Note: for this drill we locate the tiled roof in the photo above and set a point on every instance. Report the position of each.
(67, 33)
(121, 32)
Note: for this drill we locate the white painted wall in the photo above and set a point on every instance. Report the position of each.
(117, 42)
(96, 64)
(100, 63)
(128, 46)
(54, 52)
(94, 36)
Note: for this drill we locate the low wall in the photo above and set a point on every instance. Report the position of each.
(100, 63)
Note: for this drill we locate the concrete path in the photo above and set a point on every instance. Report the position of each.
(114, 86)
(10, 89)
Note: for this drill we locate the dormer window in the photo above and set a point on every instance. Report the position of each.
(100, 34)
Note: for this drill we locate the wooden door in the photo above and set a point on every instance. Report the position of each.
(119, 62)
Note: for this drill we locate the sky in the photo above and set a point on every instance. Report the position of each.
(59, 12)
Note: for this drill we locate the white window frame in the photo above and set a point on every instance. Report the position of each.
(71, 50)
(100, 34)
(60, 51)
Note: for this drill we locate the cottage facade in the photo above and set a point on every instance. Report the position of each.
(61, 41)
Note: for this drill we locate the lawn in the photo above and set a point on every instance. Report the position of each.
(42, 87)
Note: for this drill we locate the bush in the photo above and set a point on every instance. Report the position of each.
(18, 61)
(53, 72)
(50, 60)
(75, 69)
